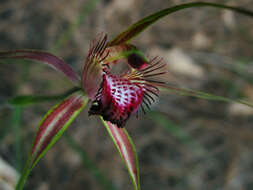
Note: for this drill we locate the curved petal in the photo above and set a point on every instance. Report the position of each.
(127, 151)
(52, 126)
(45, 57)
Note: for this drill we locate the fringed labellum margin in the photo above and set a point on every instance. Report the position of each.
(117, 97)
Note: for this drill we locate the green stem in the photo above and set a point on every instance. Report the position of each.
(16, 127)
(24, 175)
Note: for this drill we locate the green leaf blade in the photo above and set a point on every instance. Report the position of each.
(138, 27)
(202, 95)
(26, 100)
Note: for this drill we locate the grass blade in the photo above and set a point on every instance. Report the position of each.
(16, 121)
(127, 151)
(140, 26)
(26, 100)
(203, 95)
(52, 126)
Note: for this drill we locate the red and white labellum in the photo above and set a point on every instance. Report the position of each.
(117, 99)
(121, 96)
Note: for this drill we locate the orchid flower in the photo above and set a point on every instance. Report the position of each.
(115, 97)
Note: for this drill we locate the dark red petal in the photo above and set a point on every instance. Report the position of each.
(55, 121)
(45, 57)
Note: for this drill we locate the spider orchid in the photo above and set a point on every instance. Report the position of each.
(115, 97)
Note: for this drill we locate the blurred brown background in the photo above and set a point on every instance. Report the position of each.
(185, 143)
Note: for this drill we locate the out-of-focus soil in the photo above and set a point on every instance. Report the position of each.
(200, 45)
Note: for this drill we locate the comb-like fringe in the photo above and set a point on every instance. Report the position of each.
(97, 53)
(149, 84)
(153, 63)
(148, 96)
(149, 100)
(97, 48)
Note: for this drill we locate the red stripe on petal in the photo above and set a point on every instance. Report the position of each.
(60, 124)
(53, 123)
(126, 149)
